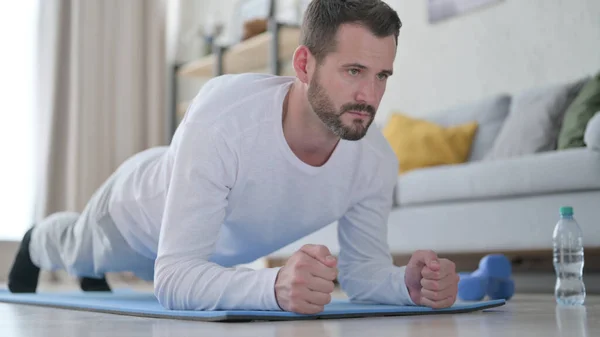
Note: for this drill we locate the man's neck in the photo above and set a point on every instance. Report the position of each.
(306, 135)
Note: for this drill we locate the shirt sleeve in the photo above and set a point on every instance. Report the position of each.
(366, 271)
(204, 170)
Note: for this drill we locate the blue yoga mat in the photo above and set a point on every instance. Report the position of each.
(144, 304)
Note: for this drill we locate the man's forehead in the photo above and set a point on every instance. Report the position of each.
(367, 51)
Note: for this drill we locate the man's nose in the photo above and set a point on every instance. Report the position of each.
(367, 92)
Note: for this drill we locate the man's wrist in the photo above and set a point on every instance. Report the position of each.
(407, 292)
(275, 287)
(412, 295)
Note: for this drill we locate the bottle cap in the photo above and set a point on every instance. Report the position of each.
(566, 210)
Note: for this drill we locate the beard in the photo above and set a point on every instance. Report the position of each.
(325, 110)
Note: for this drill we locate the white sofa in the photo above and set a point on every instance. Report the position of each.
(496, 201)
(509, 205)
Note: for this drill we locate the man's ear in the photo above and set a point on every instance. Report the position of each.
(301, 62)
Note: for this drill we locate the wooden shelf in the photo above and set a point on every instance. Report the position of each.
(250, 55)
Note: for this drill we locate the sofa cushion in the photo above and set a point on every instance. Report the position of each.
(578, 114)
(534, 120)
(489, 113)
(592, 132)
(546, 172)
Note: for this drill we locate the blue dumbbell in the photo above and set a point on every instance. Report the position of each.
(492, 278)
(500, 289)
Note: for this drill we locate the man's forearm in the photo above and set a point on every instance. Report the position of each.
(188, 284)
(375, 283)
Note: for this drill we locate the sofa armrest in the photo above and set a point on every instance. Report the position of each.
(592, 133)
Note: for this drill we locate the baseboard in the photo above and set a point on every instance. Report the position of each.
(522, 261)
(525, 261)
(533, 271)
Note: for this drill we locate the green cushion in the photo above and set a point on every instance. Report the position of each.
(578, 114)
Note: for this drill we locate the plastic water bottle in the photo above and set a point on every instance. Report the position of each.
(568, 259)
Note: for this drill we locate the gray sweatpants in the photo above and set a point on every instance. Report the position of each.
(87, 244)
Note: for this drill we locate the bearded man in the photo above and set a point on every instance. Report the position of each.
(258, 162)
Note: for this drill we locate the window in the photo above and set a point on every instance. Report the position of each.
(18, 29)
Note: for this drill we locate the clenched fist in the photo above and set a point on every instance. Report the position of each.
(305, 283)
(431, 281)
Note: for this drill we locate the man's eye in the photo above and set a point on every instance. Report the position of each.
(382, 76)
(353, 72)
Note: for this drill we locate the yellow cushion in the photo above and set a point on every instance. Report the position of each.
(419, 143)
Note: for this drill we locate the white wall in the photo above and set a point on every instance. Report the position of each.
(505, 47)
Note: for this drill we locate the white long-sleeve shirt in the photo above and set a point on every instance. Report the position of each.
(229, 190)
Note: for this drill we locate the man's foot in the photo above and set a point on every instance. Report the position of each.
(93, 284)
(24, 275)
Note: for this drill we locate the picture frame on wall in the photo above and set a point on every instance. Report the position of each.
(440, 10)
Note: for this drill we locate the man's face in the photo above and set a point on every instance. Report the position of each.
(346, 89)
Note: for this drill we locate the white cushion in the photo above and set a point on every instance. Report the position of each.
(534, 120)
(489, 112)
(546, 172)
(592, 132)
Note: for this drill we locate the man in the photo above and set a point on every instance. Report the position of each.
(258, 162)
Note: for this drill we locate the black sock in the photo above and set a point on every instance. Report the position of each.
(24, 275)
(93, 284)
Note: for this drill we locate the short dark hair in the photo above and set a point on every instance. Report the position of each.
(322, 19)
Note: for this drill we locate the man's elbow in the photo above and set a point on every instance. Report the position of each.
(351, 287)
(365, 285)
(165, 288)
(177, 289)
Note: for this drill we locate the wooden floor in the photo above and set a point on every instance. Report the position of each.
(524, 315)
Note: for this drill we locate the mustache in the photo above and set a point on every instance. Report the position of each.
(358, 107)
